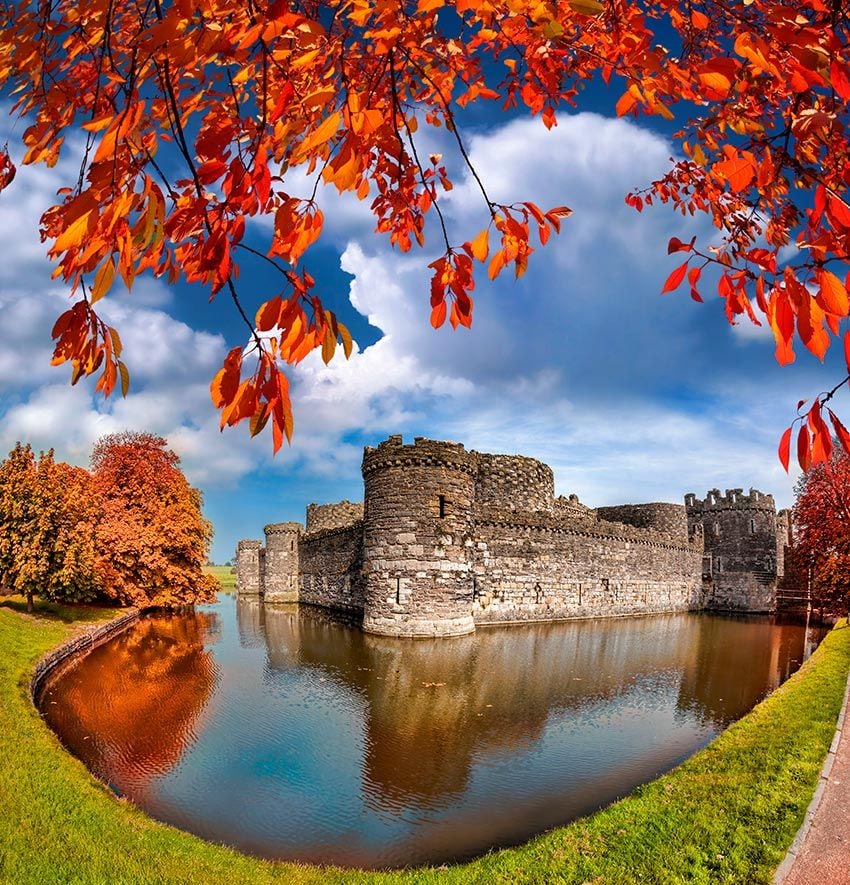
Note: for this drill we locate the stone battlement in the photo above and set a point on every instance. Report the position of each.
(448, 538)
(282, 528)
(734, 499)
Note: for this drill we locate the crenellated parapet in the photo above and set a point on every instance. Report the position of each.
(734, 499)
(393, 452)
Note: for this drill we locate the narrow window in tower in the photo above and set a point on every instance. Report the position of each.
(398, 591)
(442, 506)
(752, 526)
(292, 545)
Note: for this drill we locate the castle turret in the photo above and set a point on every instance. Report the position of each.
(281, 567)
(741, 561)
(249, 556)
(417, 539)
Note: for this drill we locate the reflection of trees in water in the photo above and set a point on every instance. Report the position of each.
(434, 706)
(131, 707)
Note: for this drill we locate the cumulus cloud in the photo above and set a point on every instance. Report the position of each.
(627, 395)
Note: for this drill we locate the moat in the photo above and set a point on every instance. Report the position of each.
(287, 734)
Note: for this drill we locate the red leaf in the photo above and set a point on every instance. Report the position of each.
(676, 245)
(785, 449)
(675, 278)
(840, 431)
(803, 456)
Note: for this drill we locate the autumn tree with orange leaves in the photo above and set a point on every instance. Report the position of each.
(46, 528)
(151, 538)
(130, 532)
(822, 529)
(242, 93)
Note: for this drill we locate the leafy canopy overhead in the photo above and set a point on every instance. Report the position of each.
(244, 92)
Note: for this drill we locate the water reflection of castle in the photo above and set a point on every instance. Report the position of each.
(433, 708)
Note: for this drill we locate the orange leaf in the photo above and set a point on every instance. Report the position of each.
(438, 315)
(840, 431)
(481, 245)
(803, 455)
(833, 295)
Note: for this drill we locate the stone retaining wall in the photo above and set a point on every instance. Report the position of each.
(80, 644)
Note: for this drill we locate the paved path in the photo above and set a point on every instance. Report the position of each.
(821, 855)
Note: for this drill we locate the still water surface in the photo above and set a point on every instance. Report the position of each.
(289, 735)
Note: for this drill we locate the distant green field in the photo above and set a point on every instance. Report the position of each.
(225, 576)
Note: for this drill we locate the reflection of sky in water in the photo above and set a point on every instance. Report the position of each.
(319, 743)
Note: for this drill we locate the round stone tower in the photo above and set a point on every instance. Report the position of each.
(249, 571)
(417, 538)
(281, 571)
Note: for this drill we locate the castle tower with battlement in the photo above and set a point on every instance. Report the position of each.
(743, 547)
(417, 538)
(448, 539)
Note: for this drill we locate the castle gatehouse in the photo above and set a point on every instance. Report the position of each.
(447, 539)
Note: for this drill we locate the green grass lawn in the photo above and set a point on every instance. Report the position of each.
(225, 576)
(726, 815)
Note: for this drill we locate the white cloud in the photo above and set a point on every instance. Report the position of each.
(627, 395)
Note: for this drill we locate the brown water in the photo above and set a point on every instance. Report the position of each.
(289, 735)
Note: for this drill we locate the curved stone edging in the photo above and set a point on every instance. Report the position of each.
(81, 644)
(784, 869)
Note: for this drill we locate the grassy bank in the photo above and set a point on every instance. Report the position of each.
(726, 815)
(224, 574)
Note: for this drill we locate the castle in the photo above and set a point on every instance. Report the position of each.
(447, 539)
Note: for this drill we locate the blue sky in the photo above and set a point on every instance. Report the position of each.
(630, 396)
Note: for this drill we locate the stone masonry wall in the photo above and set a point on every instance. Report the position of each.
(248, 554)
(669, 518)
(281, 567)
(448, 538)
(514, 482)
(333, 516)
(332, 568)
(534, 571)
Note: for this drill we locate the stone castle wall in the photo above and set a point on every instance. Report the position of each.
(417, 538)
(448, 539)
(281, 565)
(332, 568)
(672, 519)
(514, 482)
(333, 516)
